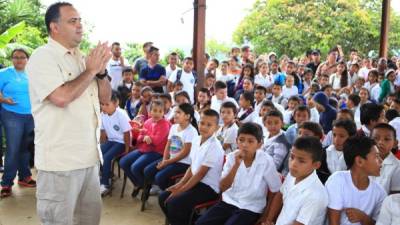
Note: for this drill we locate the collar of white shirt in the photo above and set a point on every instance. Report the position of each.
(390, 159)
(304, 184)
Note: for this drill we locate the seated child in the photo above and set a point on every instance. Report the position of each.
(333, 158)
(132, 104)
(343, 114)
(203, 100)
(390, 211)
(327, 112)
(115, 137)
(183, 97)
(150, 145)
(167, 100)
(275, 144)
(246, 112)
(354, 198)
(227, 133)
(175, 159)
(201, 181)
(259, 96)
(353, 103)
(266, 107)
(177, 86)
(370, 115)
(248, 177)
(301, 114)
(293, 102)
(385, 138)
(221, 96)
(277, 96)
(302, 198)
(146, 94)
(125, 88)
(314, 114)
(289, 89)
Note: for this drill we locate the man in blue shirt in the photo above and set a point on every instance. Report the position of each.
(153, 74)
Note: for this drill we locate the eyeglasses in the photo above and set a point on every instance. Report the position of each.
(19, 58)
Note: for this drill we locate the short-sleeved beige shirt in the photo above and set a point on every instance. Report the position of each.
(65, 138)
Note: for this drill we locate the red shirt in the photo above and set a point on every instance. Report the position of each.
(158, 133)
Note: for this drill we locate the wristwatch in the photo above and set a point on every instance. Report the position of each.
(103, 75)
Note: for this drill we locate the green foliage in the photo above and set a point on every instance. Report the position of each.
(180, 52)
(217, 49)
(132, 51)
(11, 33)
(294, 26)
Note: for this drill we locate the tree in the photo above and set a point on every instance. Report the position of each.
(217, 49)
(132, 51)
(294, 26)
(181, 55)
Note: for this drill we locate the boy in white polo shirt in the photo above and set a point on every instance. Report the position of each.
(303, 198)
(385, 138)
(200, 183)
(354, 198)
(249, 173)
(390, 211)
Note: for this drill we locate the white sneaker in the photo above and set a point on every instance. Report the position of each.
(104, 190)
(155, 190)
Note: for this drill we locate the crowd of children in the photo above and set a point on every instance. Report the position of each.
(271, 142)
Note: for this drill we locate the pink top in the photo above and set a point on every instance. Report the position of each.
(158, 132)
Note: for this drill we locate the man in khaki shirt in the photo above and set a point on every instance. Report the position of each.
(66, 90)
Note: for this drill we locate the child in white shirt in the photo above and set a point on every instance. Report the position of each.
(389, 179)
(275, 144)
(354, 198)
(277, 96)
(289, 89)
(227, 133)
(221, 96)
(246, 112)
(302, 198)
(293, 102)
(248, 175)
(264, 79)
(390, 211)
(201, 181)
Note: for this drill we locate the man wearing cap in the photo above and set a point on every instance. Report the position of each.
(316, 60)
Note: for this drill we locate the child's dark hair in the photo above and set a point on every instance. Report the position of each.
(212, 113)
(347, 111)
(355, 99)
(391, 114)
(188, 109)
(220, 85)
(115, 96)
(138, 84)
(261, 88)
(370, 112)
(310, 145)
(268, 103)
(157, 103)
(344, 76)
(250, 67)
(374, 73)
(275, 113)
(276, 83)
(182, 93)
(356, 146)
(386, 127)
(294, 98)
(178, 83)
(229, 105)
(127, 70)
(252, 129)
(348, 125)
(166, 96)
(302, 108)
(248, 96)
(188, 59)
(313, 127)
(326, 87)
(145, 89)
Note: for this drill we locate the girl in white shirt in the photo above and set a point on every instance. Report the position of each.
(248, 175)
(372, 85)
(264, 78)
(341, 78)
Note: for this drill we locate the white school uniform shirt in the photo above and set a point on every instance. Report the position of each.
(343, 194)
(216, 103)
(169, 115)
(287, 115)
(389, 178)
(114, 69)
(266, 81)
(179, 138)
(250, 118)
(282, 103)
(115, 125)
(289, 92)
(277, 151)
(225, 78)
(209, 154)
(227, 135)
(251, 184)
(396, 124)
(188, 80)
(335, 159)
(257, 106)
(304, 202)
(169, 70)
(390, 211)
(374, 90)
(314, 115)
